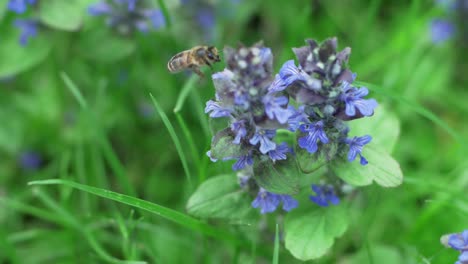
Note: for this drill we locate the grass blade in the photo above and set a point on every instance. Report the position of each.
(108, 152)
(172, 215)
(276, 248)
(175, 139)
(74, 90)
(189, 139)
(188, 86)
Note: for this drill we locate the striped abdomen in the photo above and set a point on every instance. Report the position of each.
(179, 62)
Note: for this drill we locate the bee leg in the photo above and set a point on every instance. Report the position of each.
(196, 70)
(208, 63)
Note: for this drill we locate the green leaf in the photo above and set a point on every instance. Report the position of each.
(311, 162)
(384, 127)
(281, 177)
(62, 15)
(220, 197)
(101, 45)
(16, 58)
(376, 254)
(310, 233)
(382, 169)
(222, 146)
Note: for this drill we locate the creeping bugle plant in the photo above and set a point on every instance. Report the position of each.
(291, 138)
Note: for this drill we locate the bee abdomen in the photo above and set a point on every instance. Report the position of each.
(177, 63)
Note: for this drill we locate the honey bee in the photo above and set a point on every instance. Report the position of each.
(193, 59)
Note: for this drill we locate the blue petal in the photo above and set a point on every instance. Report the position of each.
(289, 203)
(101, 8)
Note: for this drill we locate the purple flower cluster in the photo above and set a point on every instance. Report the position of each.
(257, 103)
(254, 112)
(126, 16)
(322, 86)
(28, 26)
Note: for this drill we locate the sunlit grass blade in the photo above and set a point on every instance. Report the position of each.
(276, 248)
(188, 86)
(417, 108)
(74, 90)
(173, 216)
(175, 139)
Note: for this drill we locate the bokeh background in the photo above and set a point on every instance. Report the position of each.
(75, 104)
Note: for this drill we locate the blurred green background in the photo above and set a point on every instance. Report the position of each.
(75, 104)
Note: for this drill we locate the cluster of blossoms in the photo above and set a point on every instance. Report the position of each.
(258, 103)
(126, 16)
(28, 26)
(458, 242)
(443, 29)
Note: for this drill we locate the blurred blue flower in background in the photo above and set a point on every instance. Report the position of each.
(29, 29)
(30, 160)
(325, 195)
(128, 15)
(442, 30)
(20, 6)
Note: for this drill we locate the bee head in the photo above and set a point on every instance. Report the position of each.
(212, 54)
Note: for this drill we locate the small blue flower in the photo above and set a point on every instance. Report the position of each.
(206, 18)
(28, 29)
(442, 30)
(324, 195)
(463, 258)
(20, 6)
(315, 132)
(297, 117)
(280, 152)
(126, 15)
(268, 202)
(242, 162)
(353, 99)
(30, 160)
(98, 9)
(277, 85)
(290, 73)
(216, 110)
(238, 128)
(459, 241)
(355, 147)
(264, 137)
(156, 17)
(275, 107)
(289, 203)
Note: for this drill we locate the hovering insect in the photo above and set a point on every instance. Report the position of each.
(193, 59)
